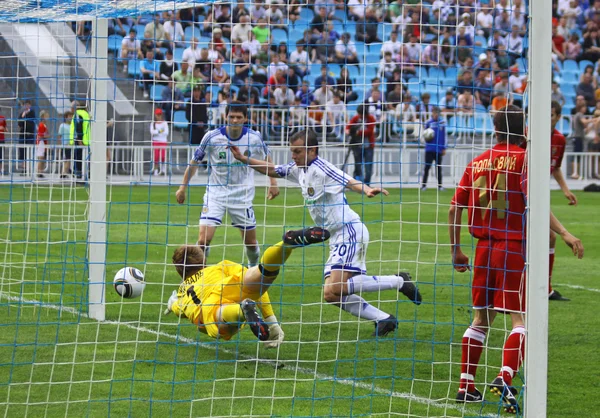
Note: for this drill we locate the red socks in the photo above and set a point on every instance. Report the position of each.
(472, 347)
(551, 258)
(513, 354)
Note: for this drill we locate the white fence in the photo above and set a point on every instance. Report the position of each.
(393, 163)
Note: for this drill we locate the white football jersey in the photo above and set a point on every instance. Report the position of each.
(230, 182)
(323, 186)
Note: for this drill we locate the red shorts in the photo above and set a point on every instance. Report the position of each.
(160, 151)
(499, 276)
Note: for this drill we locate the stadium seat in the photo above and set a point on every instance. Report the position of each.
(570, 66)
(341, 15)
(481, 40)
(584, 63)
(429, 37)
(140, 31)
(156, 91)
(177, 54)
(190, 32)
(114, 42)
(360, 50)
(567, 108)
(353, 71)
(570, 78)
(421, 73)
(436, 74)
(133, 68)
(179, 120)
(451, 73)
(280, 35)
(479, 108)
(306, 14)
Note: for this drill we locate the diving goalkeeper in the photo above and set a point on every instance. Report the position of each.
(220, 299)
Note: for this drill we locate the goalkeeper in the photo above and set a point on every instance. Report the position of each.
(220, 299)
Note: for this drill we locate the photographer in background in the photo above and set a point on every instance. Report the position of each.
(361, 130)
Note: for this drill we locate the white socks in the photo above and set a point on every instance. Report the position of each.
(357, 306)
(363, 283)
(253, 254)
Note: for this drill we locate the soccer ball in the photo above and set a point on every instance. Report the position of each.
(129, 282)
(428, 135)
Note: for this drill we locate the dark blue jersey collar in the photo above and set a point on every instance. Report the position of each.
(224, 132)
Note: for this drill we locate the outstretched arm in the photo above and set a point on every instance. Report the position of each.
(459, 259)
(573, 242)
(265, 167)
(360, 187)
(273, 188)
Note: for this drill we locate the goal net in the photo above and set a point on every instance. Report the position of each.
(153, 77)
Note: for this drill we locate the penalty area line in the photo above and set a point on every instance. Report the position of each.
(574, 286)
(276, 364)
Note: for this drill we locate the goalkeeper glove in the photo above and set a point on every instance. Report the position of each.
(172, 300)
(276, 334)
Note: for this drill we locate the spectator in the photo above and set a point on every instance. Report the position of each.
(431, 54)
(64, 137)
(436, 25)
(305, 95)
(79, 135)
(485, 22)
(405, 66)
(517, 20)
(149, 70)
(198, 79)
(192, 54)
(262, 31)
(463, 52)
(242, 30)
(218, 45)
(168, 67)
(407, 115)
(43, 135)
(282, 51)
(496, 41)
(300, 60)
(413, 49)
(335, 110)
(158, 33)
(483, 88)
(586, 89)
(219, 75)
(159, 131)
(344, 86)
(571, 13)
(175, 30)
(149, 45)
(242, 68)
(392, 45)
(591, 45)
(424, 107)
(580, 123)
(238, 11)
(589, 70)
(375, 105)
(276, 65)
(252, 45)
(293, 81)
(557, 95)
(447, 54)
(466, 102)
(448, 103)
(502, 22)
(466, 23)
(324, 77)
(499, 101)
(323, 49)
(375, 86)
(562, 28)
(284, 97)
(356, 9)
(514, 45)
(259, 67)
(572, 48)
(274, 81)
(171, 100)
(435, 149)
(331, 34)
(26, 124)
(401, 22)
(323, 94)
(394, 96)
(298, 113)
(345, 50)
(502, 58)
(131, 48)
(361, 130)
(465, 81)
(275, 18)
(367, 28)
(387, 67)
(258, 11)
(183, 79)
(196, 113)
(319, 20)
(558, 44)
(247, 90)
(502, 86)
(224, 21)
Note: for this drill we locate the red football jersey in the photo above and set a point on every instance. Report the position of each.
(3, 125)
(557, 152)
(41, 132)
(491, 190)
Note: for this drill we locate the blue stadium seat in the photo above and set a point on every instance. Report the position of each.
(190, 32)
(585, 63)
(179, 120)
(429, 37)
(177, 54)
(114, 42)
(479, 108)
(133, 68)
(566, 109)
(452, 73)
(350, 27)
(436, 73)
(156, 91)
(306, 14)
(140, 31)
(570, 66)
(360, 50)
(564, 126)
(279, 35)
(570, 78)
(421, 73)
(353, 71)
(481, 40)
(484, 123)
(340, 14)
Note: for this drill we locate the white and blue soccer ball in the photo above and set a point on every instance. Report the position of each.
(428, 135)
(129, 283)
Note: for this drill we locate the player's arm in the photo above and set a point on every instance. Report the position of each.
(459, 259)
(190, 171)
(360, 187)
(560, 179)
(273, 188)
(573, 242)
(265, 167)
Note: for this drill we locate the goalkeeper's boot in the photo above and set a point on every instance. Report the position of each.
(307, 236)
(385, 326)
(253, 319)
(464, 396)
(409, 289)
(507, 393)
(555, 295)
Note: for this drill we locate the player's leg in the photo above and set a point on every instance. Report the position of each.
(429, 159)
(205, 236)
(438, 169)
(244, 220)
(553, 294)
(211, 217)
(230, 317)
(473, 341)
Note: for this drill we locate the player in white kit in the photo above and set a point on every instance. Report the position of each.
(230, 184)
(323, 187)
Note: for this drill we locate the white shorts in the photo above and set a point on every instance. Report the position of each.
(348, 249)
(213, 214)
(40, 149)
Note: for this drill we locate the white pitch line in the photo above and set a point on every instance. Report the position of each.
(272, 363)
(574, 286)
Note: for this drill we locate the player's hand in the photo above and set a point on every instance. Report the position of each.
(273, 192)
(276, 336)
(571, 198)
(574, 243)
(180, 195)
(237, 154)
(171, 302)
(372, 192)
(460, 261)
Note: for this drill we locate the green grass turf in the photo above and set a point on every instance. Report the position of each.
(140, 363)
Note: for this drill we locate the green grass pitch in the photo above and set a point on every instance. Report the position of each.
(56, 362)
